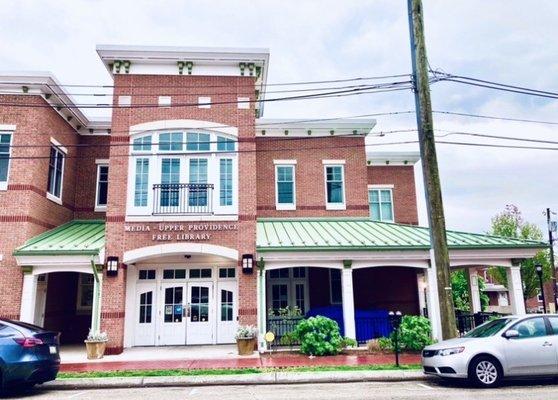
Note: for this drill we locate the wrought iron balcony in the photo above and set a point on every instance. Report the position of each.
(183, 199)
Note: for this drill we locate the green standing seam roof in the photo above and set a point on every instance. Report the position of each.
(78, 237)
(337, 234)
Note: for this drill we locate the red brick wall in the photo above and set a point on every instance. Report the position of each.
(24, 209)
(310, 181)
(404, 191)
(145, 89)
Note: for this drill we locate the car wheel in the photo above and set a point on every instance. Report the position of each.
(485, 371)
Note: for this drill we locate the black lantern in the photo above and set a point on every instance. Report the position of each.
(539, 269)
(247, 263)
(112, 266)
(395, 320)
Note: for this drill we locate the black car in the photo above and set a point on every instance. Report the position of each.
(28, 354)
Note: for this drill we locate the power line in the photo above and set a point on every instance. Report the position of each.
(215, 86)
(395, 86)
(535, 121)
(449, 133)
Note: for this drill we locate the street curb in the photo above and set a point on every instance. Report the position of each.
(268, 378)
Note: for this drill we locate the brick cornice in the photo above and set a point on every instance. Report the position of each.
(116, 218)
(119, 139)
(39, 191)
(25, 218)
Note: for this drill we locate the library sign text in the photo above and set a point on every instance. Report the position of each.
(181, 232)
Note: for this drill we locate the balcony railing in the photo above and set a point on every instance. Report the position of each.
(183, 199)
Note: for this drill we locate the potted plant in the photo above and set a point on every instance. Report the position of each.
(96, 344)
(246, 337)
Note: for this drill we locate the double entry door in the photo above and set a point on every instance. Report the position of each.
(186, 313)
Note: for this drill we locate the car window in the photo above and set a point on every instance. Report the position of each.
(554, 324)
(532, 327)
(7, 331)
(489, 328)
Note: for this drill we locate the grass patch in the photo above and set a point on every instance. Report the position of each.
(226, 371)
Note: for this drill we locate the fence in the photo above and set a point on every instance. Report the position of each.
(281, 326)
(467, 322)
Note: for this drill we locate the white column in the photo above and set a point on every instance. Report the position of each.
(262, 310)
(474, 291)
(421, 286)
(348, 302)
(515, 288)
(433, 301)
(96, 306)
(28, 298)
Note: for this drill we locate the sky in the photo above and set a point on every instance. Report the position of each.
(509, 41)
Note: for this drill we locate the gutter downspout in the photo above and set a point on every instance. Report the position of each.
(262, 310)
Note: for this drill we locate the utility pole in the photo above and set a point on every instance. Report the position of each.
(430, 172)
(553, 266)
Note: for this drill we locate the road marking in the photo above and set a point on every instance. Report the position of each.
(76, 394)
(193, 392)
(424, 386)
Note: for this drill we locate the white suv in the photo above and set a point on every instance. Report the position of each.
(511, 346)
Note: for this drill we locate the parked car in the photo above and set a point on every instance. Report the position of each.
(28, 354)
(507, 347)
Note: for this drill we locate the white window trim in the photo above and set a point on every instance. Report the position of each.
(284, 162)
(331, 288)
(7, 130)
(165, 101)
(285, 206)
(333, 162)
(383, 187)
(99, 207)
(50, 196)
(335, 206)
(204, 102)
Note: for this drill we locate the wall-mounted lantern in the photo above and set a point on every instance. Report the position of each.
(247, 263)
(112, 266)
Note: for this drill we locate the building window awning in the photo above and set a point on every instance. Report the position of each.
(354, 234)
(75, 238)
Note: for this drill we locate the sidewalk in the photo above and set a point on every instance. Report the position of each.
(275, 360)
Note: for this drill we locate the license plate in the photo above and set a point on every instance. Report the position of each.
(52, 349)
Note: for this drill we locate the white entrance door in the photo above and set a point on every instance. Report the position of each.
(145, 317)
(40, 301)
(173, 320)
(200, 320)
(227, 313)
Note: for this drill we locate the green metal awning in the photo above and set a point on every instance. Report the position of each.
(338, 234)
(79, 237)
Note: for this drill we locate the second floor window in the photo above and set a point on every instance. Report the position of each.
(5, 140)
(141, 181)
(55, 172)
(225, 180)
(381, 204)
(335, 187)
(285, 187)
(102, 186)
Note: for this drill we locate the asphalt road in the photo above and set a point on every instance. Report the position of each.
(429, 390)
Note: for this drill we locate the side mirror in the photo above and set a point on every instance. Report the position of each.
(511, 333)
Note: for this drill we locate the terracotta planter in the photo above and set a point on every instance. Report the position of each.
(246, 346)
(95, 350)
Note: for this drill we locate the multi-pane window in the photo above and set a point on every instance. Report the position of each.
(55, 171)
(85, 292)
(173, 304)
(140, 186)
(170, 141)
(146, 274)
(170, 176)
(225, 180)
(102, 186)
(199, 304)
(200, 273)
(227, 272)
(197, 141)
(279, 296)
(225, 144)
(285, 177)
(5, 141)
(226, 305)
(336, 296)
(198, 174)
(142, 143)
(300, 297)
(381, 204)
(334, 184)
(146, 305)
(174, 274)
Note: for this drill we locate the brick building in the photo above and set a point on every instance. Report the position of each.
(187, 213)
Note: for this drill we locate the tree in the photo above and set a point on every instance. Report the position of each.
(460, 291)
(510, 223)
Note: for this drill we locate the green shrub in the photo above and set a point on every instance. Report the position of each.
(319, 336)
(415, 333)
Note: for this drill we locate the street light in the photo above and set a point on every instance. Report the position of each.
(539, 269)
(395, 320)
